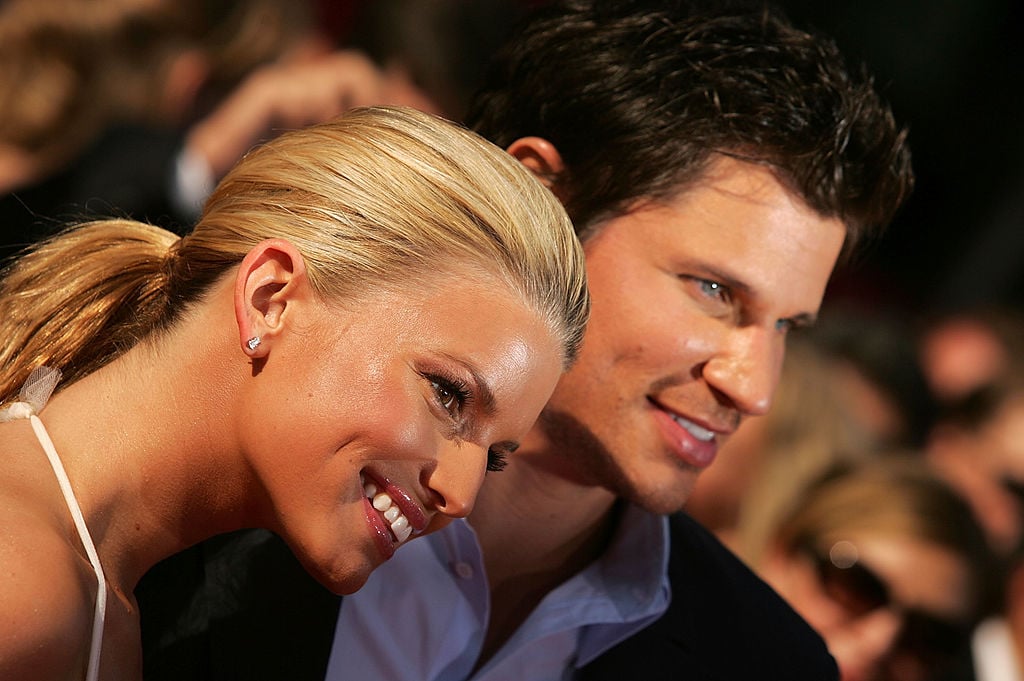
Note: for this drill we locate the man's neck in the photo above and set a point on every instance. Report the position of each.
(536, 529)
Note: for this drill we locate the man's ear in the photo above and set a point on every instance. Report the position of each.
(541, 158)
(270, 279)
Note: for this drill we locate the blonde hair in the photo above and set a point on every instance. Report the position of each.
(380, 197)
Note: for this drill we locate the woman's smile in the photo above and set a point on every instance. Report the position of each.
(393, 515)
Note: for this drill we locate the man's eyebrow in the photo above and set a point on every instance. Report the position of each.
(803, 320)
(800, 320)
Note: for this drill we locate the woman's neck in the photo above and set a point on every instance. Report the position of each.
(147, 443)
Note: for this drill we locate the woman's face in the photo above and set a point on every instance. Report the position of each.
(374, 422)
(888, 606)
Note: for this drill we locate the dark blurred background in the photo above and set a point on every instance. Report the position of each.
(953, 71)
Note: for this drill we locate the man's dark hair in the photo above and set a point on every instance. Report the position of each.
(638, 97)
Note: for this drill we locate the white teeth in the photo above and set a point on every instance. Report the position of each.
(392, 514)
(401, 528)
(403, 534)
(702, 434)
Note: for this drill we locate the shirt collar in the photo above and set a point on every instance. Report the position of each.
(621, 592)
(634, 574)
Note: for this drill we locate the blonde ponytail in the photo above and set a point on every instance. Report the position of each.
(80, 299)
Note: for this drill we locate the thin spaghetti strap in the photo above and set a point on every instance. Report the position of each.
(90, 549)
(31, 400)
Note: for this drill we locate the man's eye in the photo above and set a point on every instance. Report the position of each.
(713, 298)
(712, 289)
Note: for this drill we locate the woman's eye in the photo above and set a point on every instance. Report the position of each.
(445, 396)
(450, 396)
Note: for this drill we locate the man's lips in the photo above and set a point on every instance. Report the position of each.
(695, 443)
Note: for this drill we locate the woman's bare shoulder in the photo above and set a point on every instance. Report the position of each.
(47, 594)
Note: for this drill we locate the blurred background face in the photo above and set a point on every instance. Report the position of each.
(890, 607)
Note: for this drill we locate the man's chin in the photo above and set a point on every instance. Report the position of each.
(662, 499)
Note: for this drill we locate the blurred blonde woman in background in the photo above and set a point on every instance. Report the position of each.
(889, 565)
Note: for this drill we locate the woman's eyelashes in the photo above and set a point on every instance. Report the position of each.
(497, 455)
(496, 460)
(453, 395)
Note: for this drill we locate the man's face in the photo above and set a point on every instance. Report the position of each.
(692, 299)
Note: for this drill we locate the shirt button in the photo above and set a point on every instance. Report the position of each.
(464, 570)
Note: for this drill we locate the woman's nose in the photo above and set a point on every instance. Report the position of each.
(457, 477)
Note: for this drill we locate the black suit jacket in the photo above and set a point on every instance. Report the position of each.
(241, 607)
(723, 624)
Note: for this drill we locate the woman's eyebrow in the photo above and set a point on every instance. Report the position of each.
(484, 396)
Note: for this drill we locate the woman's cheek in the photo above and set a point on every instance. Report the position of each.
(404, 427)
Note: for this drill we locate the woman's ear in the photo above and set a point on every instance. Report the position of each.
(271, 278)
(541, 158)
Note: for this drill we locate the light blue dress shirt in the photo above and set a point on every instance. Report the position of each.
(423, 614)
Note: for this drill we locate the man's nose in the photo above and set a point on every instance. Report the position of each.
(746, 368)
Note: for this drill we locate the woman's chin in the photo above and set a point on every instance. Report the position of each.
(343, 582)
(349, 586)
(340, 573)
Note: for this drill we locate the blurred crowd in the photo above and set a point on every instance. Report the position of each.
(882, 495)
(137, 107)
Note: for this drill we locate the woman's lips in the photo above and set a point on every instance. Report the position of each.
(392, 514)
(406, 504)
(382, 534)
